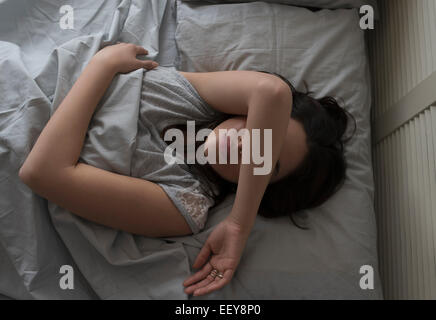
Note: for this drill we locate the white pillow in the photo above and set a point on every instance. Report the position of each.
(299, 44)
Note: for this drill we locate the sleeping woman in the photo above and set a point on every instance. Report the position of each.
(173, 199)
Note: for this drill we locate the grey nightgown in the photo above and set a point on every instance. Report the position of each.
(168, 98)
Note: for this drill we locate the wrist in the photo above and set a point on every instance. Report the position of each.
(104, 64)
(243, 226)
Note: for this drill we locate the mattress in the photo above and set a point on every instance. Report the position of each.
(279, 262)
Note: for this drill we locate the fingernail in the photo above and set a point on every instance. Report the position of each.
(155, 64)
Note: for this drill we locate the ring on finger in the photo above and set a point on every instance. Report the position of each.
(214, 273)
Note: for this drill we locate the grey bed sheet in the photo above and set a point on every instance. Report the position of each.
(39, 63)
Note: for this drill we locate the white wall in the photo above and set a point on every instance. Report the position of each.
(403, 61)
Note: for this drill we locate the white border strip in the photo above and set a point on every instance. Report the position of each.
(420, 98)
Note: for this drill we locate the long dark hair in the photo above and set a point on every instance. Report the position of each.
(320, 175)
(322, 172)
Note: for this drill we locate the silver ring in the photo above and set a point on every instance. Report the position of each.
(214, 273)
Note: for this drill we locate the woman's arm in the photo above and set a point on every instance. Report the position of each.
(60, 143)
(51, 169)
(230, 91)
(269, 107)
(267, 102)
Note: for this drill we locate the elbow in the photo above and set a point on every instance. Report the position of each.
(29, 176)
(26, 175)
(277, 91)
(39, 179)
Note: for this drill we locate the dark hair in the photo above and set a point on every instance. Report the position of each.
(322, 172)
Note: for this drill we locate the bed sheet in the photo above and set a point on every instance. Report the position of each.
(167, 43)
(39, 63)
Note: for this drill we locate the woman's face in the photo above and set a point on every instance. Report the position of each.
(292, 154)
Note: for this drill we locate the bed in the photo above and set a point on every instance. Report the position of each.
(39, 62)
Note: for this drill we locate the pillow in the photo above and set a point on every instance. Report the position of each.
(326, 48)
(328, 4)
(299, 44)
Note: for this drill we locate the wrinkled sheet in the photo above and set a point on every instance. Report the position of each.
(39, 63)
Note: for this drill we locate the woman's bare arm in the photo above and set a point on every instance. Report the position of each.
(60, 143)
(51, 169)
(230, 91)
(270, 108)
(267, 102)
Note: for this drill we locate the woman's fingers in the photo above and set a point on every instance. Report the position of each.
(203, 283)
(141, 51)
(202, 256)
(148, 64)
(206, 280)
(198, 275)
(203, 273)
(215, 284)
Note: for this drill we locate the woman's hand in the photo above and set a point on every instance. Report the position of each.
(226, 244)
(121, 58)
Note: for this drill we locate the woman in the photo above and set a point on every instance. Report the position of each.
(306, 153)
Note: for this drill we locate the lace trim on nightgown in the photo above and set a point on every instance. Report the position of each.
(196, 204)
